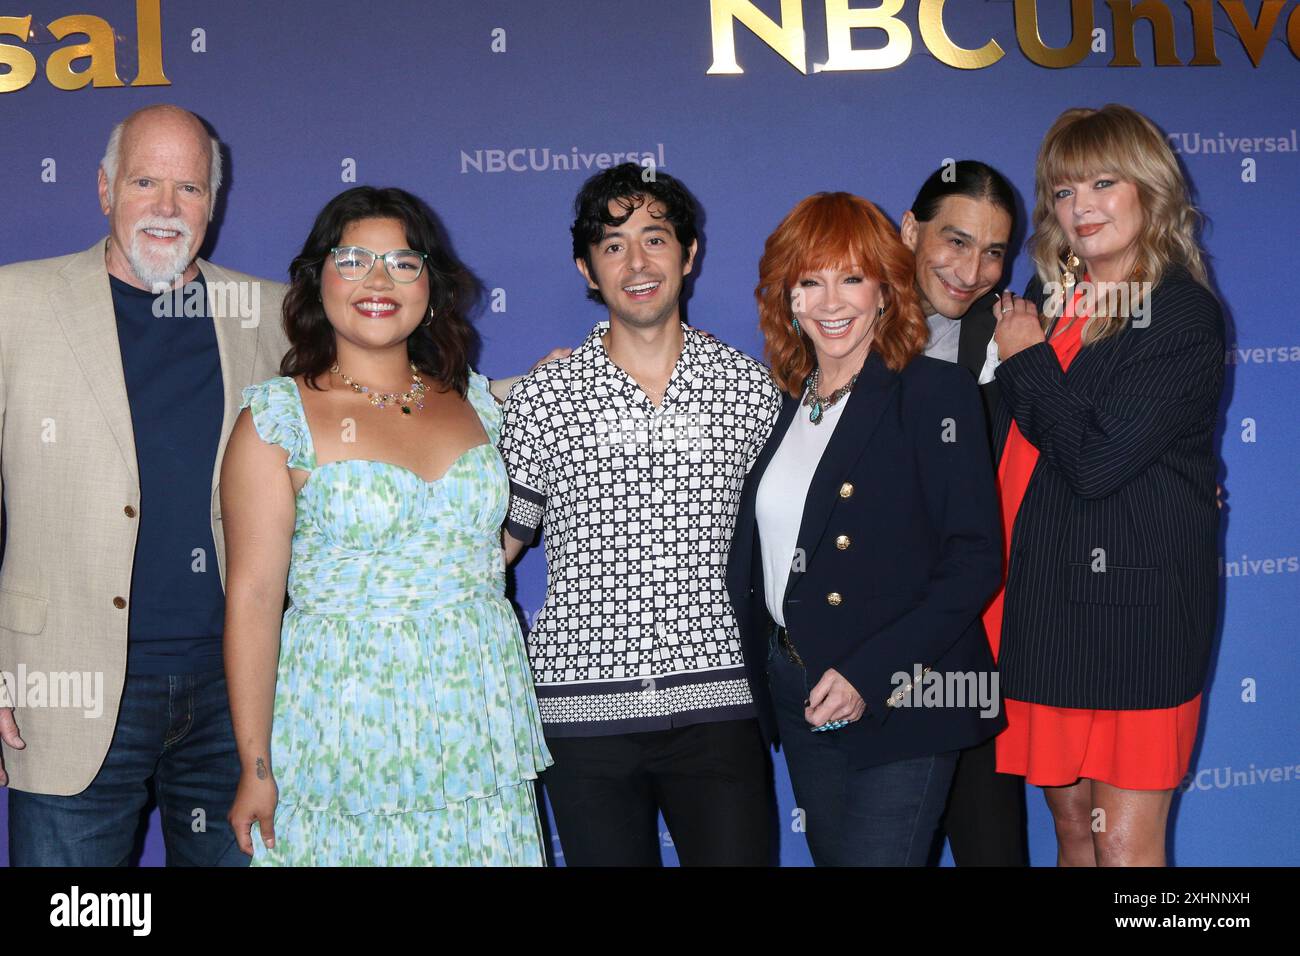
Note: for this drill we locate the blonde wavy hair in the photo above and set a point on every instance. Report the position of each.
(1114, 139)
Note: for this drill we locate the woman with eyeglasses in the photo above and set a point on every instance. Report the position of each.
(390, 718)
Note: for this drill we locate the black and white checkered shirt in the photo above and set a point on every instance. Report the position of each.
(639, 506)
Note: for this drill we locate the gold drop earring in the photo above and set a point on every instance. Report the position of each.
(1069, 265)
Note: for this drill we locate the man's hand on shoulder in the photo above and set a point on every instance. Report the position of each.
(500, 387)
(551, 356)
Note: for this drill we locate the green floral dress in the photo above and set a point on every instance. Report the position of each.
(406, 730)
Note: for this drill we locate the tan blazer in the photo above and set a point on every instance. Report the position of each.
(72, 493)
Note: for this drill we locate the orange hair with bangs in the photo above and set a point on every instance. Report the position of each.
(829, 231)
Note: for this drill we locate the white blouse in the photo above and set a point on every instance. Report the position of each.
(779, 504)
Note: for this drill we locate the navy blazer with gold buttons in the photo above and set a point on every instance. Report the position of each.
(901, 548)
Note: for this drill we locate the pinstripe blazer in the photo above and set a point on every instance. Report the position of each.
(1112, 587)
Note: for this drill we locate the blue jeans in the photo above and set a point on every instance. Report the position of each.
(172, 730)
(887, 815)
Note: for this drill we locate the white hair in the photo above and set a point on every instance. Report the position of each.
(113, 156)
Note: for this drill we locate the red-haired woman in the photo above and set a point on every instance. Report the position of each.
(867, 542)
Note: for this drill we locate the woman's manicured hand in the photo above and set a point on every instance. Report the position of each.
(833, 698)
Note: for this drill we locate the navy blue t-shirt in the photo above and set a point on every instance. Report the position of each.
(174, 384)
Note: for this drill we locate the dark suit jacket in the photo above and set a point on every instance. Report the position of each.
(972, 348)
(1112, 588)
(901, 522)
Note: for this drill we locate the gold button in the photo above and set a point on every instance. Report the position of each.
(843, 542)
(119, 602)
(846, 490)
(834, 599)
(129, 511)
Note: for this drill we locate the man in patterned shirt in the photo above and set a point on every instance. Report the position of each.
(633, 452)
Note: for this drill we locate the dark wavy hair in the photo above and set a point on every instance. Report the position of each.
(629, 185)
(440, 349)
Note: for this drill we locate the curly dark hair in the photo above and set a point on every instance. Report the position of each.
(441, 349)
(629, 185)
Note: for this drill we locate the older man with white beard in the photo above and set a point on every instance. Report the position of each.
(121, 369)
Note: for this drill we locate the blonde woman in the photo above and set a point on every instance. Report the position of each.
(1111, 373)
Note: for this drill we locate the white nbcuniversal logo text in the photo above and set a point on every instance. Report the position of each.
(541, 159)
(1261, 355)
(1284, 564)
(102, 909)
(229, 300)
(1221, 778)
(948, 689)
(1197, 143)
(70, 689)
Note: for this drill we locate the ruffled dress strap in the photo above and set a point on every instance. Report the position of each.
(489, 412)
(279, 418)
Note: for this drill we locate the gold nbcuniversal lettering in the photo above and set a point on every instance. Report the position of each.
(786, 35)
(18, 66)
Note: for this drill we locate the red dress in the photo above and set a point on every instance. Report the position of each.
(1055, 746)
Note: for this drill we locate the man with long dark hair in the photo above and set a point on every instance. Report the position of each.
(959, 228)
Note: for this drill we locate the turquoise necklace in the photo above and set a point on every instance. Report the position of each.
(819, 404)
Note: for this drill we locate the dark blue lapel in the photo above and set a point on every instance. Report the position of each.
(741, 561)
(865, 405)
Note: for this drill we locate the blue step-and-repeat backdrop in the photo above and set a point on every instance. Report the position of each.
(495, 111)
